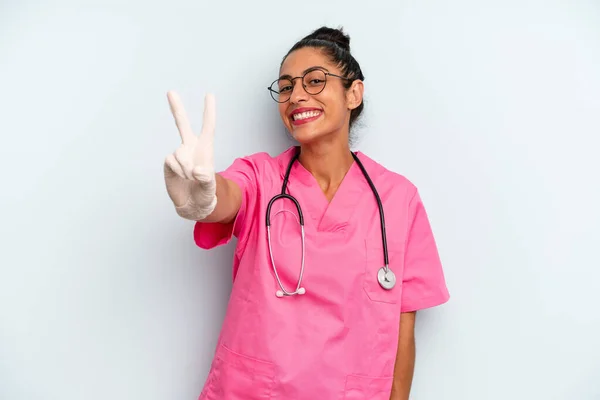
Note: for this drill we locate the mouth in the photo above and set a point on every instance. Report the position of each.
(304, 116)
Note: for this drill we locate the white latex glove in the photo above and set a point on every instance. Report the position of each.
(189, 171)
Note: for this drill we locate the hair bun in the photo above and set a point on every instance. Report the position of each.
(336, 36)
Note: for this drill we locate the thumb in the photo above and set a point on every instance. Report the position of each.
(203, 174)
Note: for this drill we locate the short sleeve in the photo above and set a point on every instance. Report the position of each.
(423, 280)
(208, 235)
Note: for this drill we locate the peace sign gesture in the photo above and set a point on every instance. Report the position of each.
(189, 171)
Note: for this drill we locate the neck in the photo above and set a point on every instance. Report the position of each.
(327, 162)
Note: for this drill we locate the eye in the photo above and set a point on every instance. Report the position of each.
(314, 79)
(284, 85)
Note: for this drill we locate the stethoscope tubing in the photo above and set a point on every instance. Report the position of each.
(284, 195)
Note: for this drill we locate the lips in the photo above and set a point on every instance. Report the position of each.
(304, 115)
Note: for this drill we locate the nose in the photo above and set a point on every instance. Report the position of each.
(298, 93)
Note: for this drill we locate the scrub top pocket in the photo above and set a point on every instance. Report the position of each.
(367, 388)
(374, 261)
(236, 377)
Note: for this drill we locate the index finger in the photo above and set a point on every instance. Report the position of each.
(208, 124)
(181, 118)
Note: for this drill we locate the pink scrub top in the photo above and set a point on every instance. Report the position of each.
(339, 339)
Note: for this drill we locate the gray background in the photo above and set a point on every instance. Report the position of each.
(491, 108)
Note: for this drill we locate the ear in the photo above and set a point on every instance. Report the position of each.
(354, 94)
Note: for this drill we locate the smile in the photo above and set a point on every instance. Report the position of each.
(306, 116)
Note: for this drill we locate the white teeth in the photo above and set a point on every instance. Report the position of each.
(307, 114)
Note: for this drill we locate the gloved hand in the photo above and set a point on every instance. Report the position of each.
(189, 171)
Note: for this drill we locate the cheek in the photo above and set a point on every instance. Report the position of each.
(283, 112)
(336, 107)
(334, 100)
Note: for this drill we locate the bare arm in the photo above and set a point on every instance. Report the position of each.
(405, 358)
(229, 200)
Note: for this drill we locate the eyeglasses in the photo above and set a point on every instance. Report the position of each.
(313, 82)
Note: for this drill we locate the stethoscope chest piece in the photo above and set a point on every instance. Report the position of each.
(386, 278)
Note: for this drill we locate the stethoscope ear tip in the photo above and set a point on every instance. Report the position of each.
(280, 294)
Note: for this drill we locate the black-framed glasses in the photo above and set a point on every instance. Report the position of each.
(313, 82)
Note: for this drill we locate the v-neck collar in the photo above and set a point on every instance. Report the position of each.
(334, 215)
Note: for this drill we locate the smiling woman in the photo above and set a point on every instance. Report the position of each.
(329, 52)
(343, 326)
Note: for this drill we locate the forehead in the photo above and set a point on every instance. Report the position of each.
(301, 59)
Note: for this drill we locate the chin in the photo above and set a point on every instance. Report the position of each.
(306, 136)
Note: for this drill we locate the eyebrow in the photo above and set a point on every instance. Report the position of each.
(305, 71)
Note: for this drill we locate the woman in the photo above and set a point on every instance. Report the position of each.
(343, 327)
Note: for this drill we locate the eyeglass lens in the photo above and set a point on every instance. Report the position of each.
(313, 82)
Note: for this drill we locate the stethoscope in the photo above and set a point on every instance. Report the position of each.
(385, 276)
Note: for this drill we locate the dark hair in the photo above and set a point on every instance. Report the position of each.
(335, 44)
